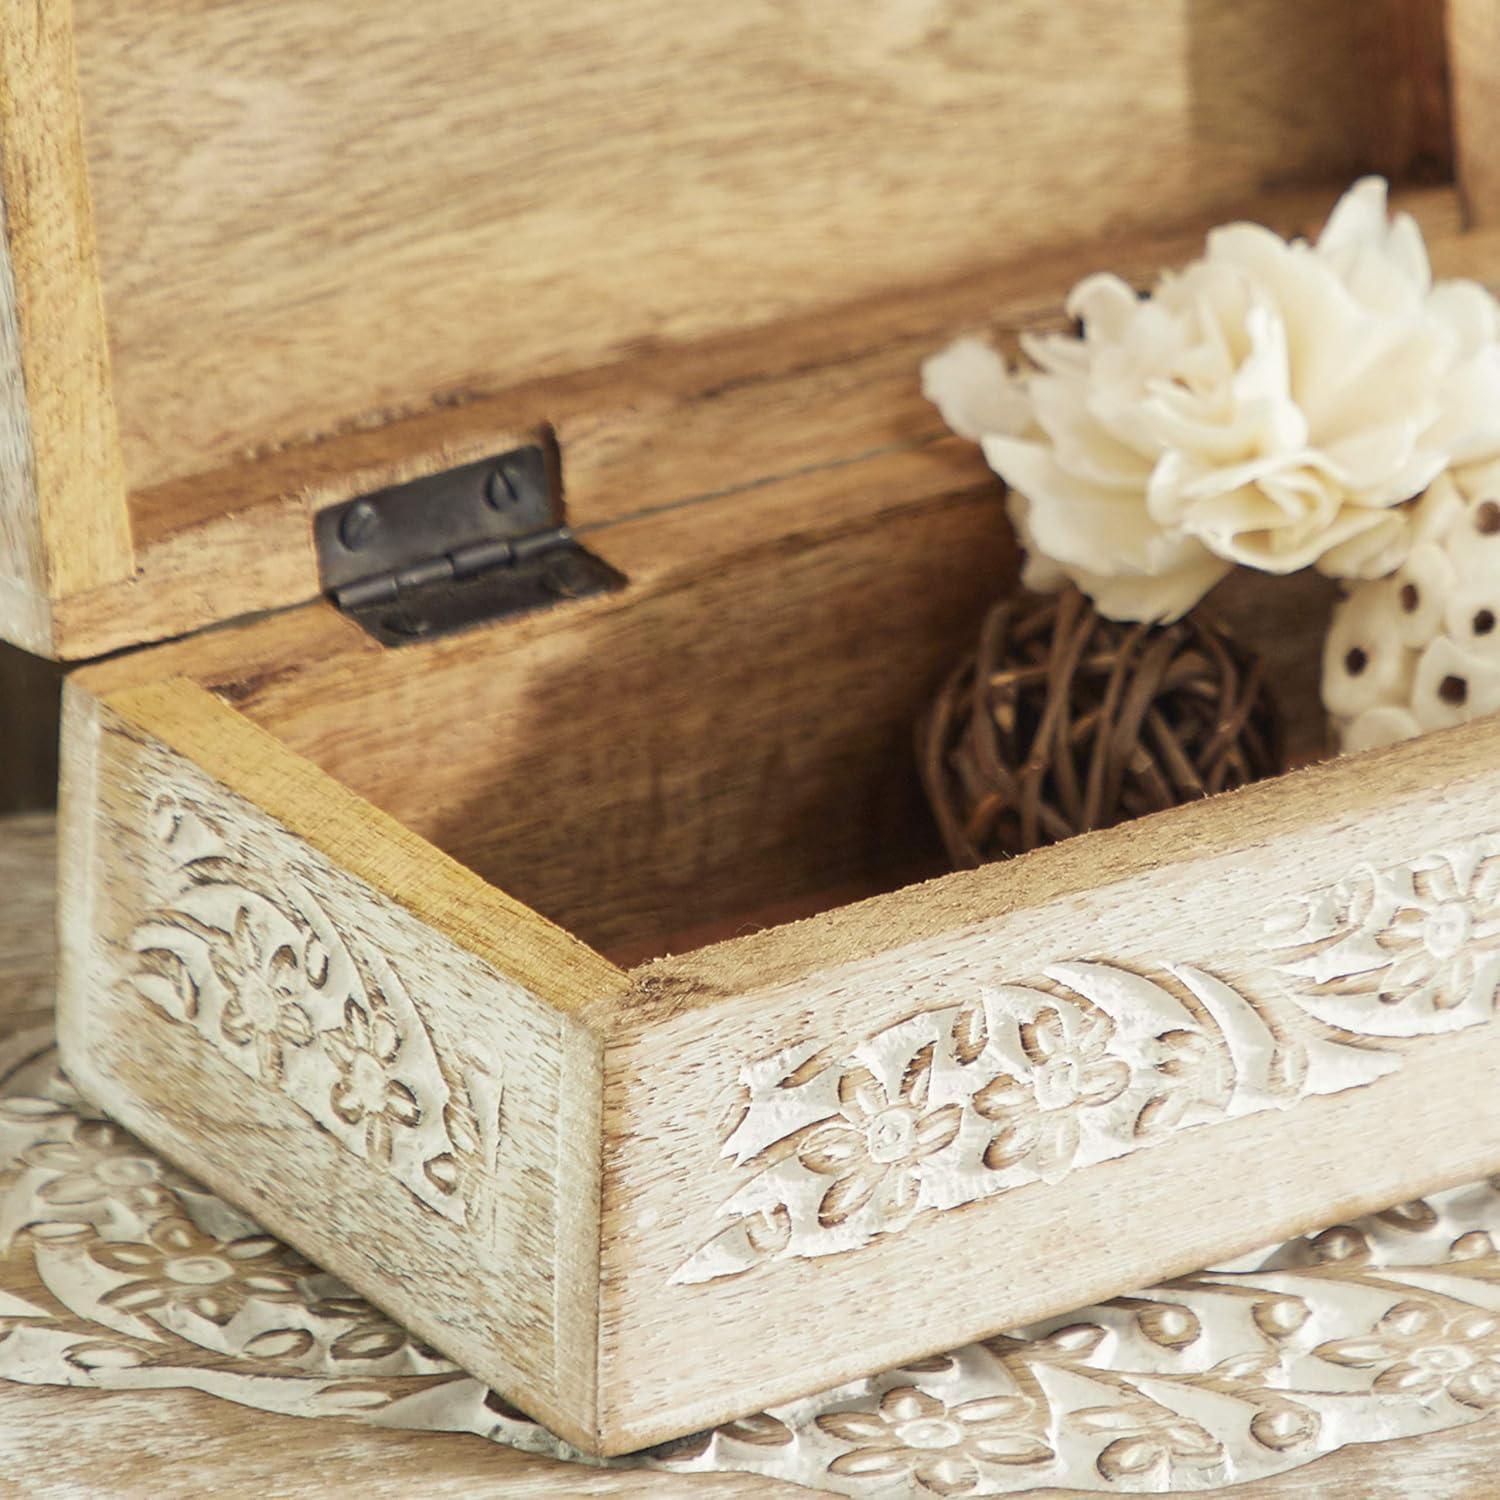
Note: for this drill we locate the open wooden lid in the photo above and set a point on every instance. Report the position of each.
(259, 258)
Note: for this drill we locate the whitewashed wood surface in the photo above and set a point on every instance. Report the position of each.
(119, 1275)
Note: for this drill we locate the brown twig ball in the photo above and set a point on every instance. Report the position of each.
(1063, 721)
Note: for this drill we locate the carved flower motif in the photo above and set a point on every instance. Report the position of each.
(99, 1164)
(363, 1049)
(1071, 1071)
(1420, 1353)
(1276, 404)
(939, 1448)
(263, 984)
(178, 1266)
(1443, 934)
(1434, 929)
(878, 1143)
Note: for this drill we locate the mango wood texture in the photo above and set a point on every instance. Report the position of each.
(178, 1445)
(321, 276)
(509, 191)
(1474, 57)
(332, 977)
(182, 1446)
(1066, 1047)
(56, 1441)
(64, 526)
(731, 731)
(28, 944)
(1410, 90)
(690, 432)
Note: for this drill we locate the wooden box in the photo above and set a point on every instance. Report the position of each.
(466, 960)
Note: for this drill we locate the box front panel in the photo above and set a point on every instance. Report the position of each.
(1245, 1029)
(386, 1101)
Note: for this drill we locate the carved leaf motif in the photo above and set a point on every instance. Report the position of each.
(258, 966)
(165, 981)
(1025, 1084)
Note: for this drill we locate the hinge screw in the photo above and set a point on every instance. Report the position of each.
(358, 525)
(502, 489)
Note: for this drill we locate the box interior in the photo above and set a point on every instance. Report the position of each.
(309, 255)
(696, 760)
(305, 225)
(321, 277)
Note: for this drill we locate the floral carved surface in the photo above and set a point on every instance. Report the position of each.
(1405, 951)
(1026, 1084)
(254, 961)
(116, 1273)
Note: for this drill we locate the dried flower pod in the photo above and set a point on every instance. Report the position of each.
(1420, 650)
(1063, 721)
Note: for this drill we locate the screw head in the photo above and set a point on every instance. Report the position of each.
(502, 489)
(358, 525)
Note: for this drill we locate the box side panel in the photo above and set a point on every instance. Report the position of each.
(1256, 1019)
(64, 524)
(379, 1096)
(24, 615)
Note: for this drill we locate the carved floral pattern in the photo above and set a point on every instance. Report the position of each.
(1416, 1351)
(97, 1162)
(261, 987)
(179, 1266)
(1405, 951)
(940, 1449)
(1365, 1332)
(877, 1143)
(365, 1049)
(1025, 1084)
(261, 969)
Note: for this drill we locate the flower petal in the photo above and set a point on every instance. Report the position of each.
(848, 1195)
(854, 1426)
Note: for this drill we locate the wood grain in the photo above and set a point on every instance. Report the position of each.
(63, 513)
(627, 772)
(63, 1445)
(644, 782)
(1473, 49)
(670, 431)
(317, 908)
(510, 191)
(28, 942)
(1190, 887)
(25, 610)
(1404, 58)
(350, 352)
(714, 1232)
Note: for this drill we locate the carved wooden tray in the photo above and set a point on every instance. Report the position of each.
(119, 1274)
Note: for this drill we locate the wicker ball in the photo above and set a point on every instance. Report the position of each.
(1063, 721)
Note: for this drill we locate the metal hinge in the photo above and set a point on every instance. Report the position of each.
(474, 544)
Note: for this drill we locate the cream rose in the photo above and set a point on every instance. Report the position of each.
(1276, 404)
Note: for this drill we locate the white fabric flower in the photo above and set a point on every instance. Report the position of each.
(1421, 649)
(1276, 404)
